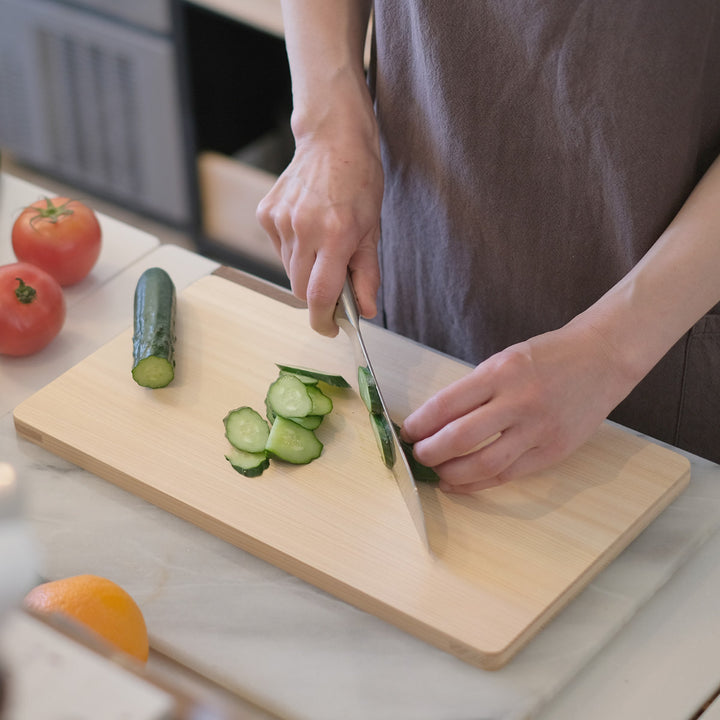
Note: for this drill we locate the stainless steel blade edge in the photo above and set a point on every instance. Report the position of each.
(347, 317)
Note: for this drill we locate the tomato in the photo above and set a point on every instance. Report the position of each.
(32, 309)
(59, 235)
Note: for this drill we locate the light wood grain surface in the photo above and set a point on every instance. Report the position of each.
(504, 561)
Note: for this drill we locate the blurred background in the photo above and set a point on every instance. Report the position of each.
(171, 115)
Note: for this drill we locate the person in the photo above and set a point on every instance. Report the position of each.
(530, 187)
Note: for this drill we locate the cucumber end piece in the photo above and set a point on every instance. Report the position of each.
(153, 372)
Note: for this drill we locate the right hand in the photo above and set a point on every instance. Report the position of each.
(323, 217)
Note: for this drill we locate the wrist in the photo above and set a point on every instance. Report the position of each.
(341, 106)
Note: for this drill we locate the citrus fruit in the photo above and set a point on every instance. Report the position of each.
(98, 604)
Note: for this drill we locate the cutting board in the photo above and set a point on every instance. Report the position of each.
(503, 562)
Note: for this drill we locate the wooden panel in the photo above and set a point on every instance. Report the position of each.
(230, 192)
(504, 561)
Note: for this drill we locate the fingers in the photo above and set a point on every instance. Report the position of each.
(318, 246)
(453, 402)
(487, 468)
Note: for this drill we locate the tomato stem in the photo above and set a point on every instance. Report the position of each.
(24, 293)
(51, 213)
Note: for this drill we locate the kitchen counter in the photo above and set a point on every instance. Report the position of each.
(641, 641)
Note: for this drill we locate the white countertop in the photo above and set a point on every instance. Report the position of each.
(640, 641)
(121, 246)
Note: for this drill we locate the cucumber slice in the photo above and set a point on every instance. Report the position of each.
(383, 438)
(289, 397)
(368, 390)
(270, 414)
(321, 403)
(248, 464)
(246, 429)
(305, 379)
(310, 422)
(154, 308)
(336, 380)
(292, 443)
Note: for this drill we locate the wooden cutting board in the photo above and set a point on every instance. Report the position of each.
(504, 561)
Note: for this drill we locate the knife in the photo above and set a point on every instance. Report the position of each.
(347, 316)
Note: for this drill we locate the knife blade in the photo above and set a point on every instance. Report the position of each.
(347, 316)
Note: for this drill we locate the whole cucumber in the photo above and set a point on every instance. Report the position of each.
(154, 329)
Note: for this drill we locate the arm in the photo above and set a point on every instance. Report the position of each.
(323, 213)
(546, 396)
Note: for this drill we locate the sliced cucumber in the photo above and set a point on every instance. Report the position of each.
(383, 438)
(246, 429)
(305, 379)
(290, 442)
(336, 380)
(270, 414)
(289, 397)
(321, 403)
(248, 464)
(310, 422)
(154, 308)
(368, 390)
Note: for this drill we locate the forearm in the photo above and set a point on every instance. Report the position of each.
(676, 283)
(325, 42)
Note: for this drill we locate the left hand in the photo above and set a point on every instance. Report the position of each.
(539, 399)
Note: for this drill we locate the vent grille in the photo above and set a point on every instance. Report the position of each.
(92, 117)
(14, 109)
(95, 102)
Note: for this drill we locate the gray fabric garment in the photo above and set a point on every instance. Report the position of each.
(534, 151)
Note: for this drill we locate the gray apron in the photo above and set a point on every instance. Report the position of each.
(534, 151)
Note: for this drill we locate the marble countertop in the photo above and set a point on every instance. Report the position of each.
(640, 641)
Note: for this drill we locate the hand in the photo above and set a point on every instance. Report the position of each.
(323, 216)
(527, 407)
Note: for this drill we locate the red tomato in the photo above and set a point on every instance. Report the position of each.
(32, 309)
(59, 235)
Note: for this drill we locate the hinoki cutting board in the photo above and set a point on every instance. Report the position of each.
(504, 561)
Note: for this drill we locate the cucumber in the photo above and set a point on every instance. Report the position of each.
(336, 380)
(305, 379)
(383, 438)
(294, 408)
(270, 414)
(292, 443)
(368, 390)
(311, 422)
(246, 429)
(321, 403)
(419, 471)
(288, 397)
(154, 311)
(248, 464)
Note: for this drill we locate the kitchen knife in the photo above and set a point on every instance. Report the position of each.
(347, 316)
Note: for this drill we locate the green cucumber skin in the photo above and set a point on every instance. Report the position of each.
(154, 313)
(368, 390)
